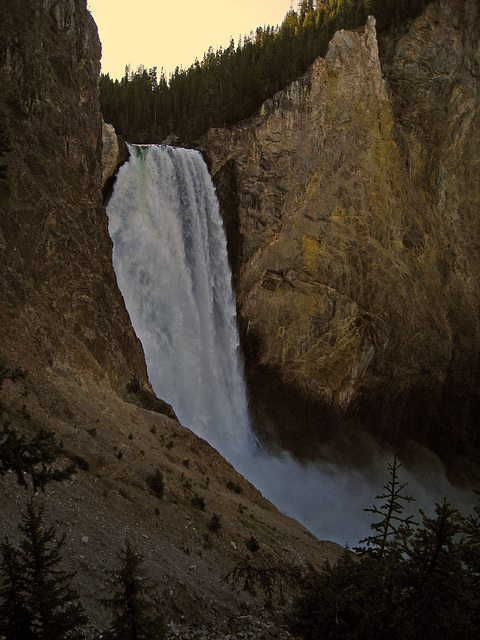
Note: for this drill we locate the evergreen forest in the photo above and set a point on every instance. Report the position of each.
(230, 84)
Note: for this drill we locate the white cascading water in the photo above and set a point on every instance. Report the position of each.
(170, 258)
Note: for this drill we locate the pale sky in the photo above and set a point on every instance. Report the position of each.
(168, 33)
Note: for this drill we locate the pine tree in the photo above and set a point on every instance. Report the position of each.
(15, 616)
(391, 512)
(420, 581)
(32, 457)
(56, 613)
(229, 85)
(134, 614)
(471, 529)
(355, 598)
(440, 596)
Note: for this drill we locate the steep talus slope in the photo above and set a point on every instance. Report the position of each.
(350, 204)
(99, 507)
(64, 324)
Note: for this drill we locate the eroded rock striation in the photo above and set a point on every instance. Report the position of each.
(350, 202)
(59, 300)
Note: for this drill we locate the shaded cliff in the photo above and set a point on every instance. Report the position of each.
(60, 303)
(350, 204)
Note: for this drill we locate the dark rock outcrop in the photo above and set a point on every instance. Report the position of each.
(350, 202)
(60, 304)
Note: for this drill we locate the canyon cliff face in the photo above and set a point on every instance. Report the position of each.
(351, 206)
(60, 303)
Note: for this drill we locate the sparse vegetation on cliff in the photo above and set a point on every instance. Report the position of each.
(49, 304)
(155, 483)
(397, 582)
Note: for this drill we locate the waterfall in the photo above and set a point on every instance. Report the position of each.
(170, 257)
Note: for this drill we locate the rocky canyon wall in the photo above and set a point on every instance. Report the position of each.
(351, 205)
(60, 305)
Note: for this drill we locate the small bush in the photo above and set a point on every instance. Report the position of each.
(199, 502)
(207, 543)
(233, 486)
(215, 523)
(11, 374)
(155, 483)
(26, 414)
(252, 544)
(81, 463)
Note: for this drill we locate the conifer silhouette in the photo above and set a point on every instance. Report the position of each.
(15, 616)
(32, 457)
(391, 512)
(134, 613)
(37, 599)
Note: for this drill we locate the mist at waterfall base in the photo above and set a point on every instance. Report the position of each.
(170, 258)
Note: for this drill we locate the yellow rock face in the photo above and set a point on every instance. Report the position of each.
(355, 207)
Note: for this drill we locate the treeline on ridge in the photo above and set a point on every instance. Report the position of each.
(230, 84)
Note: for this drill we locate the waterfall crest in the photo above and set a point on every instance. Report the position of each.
(170, 258)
